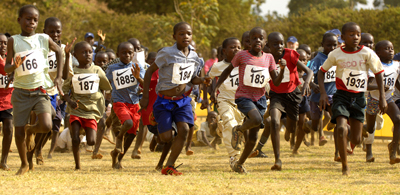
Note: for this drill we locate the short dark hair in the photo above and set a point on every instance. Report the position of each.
(380, 44)
(326, 35)
(25, 7)
(226, 41)
(80, 44)
(123, 43)
(347, 26)
(100, 53)
(179, 25)
(247, 33)
(151, 55)
(51, 20)
(257, 29)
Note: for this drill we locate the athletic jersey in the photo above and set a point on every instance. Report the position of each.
(125, 87)
(33, 72)
(228, 89)
(5, 94)
(86, 86)
(390, 74)
(175, 67)
(290, 77)
(352, 68)
(253, 74)
(329, 80)
(53, 68)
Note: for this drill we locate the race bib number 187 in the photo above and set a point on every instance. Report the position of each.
(182, 73)
(86, 83)
(33, 62)
(255, 76)
(355, 80)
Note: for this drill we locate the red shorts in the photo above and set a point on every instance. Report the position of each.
(85, 123)
(125, 111)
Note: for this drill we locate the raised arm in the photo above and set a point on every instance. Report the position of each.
(277, 78)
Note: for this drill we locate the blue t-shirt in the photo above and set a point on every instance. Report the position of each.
(124, 78)
(315, 65)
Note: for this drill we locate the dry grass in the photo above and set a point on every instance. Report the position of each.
(208, 172)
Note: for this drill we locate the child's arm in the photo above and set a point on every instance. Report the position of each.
(136, 73)
(101, 41)
(397, 84)
(221, 80)
(324, 100)
(9, 67)
(144, 102)
(277, 78)
(66, 88)
(67, 51)
(204, 138)
(201, 80)
(204, 103)
(306, 88)
(60, 64)
(382, 98)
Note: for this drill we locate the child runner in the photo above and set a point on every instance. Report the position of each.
(367, 40)
(177, 66)
(85, 98)
(31, 78)
(6, 116)
(255, 69)
(246, 40)
(230, 114)
(385, 51)
(352, 63)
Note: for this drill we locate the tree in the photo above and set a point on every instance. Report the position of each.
(141, 6)
(386, 3)
(296, 6)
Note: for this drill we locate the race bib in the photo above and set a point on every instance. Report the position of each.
(123, 78)
(139, 57)
(86, 83)
(4, 81)
(286, 74)
(182, 73)
(330, 75)
(355, 80)
(232, 82)
(52, 62)
(34, 62)
(255, 76)
(390, 76)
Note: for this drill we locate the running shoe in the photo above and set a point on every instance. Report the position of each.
(237, 137)
(171, 170)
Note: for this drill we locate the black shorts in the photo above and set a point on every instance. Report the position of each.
(349, 105)
(304, 106)
(6, 114)
(245, 105)
(287, 103)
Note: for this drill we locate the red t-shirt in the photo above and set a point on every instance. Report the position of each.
(241, 60)
(152, 98)
(291, 79)
(5, 94)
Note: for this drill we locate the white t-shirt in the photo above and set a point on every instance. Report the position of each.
(228, 89)
(390, 75)
(204, 128)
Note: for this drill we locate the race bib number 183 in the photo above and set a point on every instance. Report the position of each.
(86, 83)
(255, 76)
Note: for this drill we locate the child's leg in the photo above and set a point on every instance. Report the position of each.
(275, 137)
(75, 127)
(128, 139)
(370, 128)
(265, 135)
(101, 125)
(6, 144)
(128, 124)
(166, 149)
(139, 141)
(342, 132)
(300, 133)
(43, 125)
(178, 142)
(54, 137)
(188, 148)
(250, 143)
(21, 146)
(394, 114)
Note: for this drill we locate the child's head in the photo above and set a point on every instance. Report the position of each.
(111, 54)
(230, 47)
(101, 59)
(136, 44)
(292, 43)
(302, 56)
(307, 49)
(384, 50)
(220, 54)
(182, 34)
(3, 44)
(329, 42)
(146, 51)
(83, 53)
(258, 37)
(212, 117)
(125, 52)
(214, 53)
(28, 18)
(52, 27)
(351, 34)
(89, 38)
(367, 40)
(276, 43)
(246, 40)
(151, 57)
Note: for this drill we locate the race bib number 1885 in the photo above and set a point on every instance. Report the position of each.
(85, 83)
(123, 78)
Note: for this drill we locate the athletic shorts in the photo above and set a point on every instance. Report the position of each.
(245, 105)
(168, 111)
(6, 114)
(304, 105)
(314, 108)
(373, 105)
(152, 129)
(25, 101)
(287, 103)
(126, 111)
(85, 123)
(349, 105)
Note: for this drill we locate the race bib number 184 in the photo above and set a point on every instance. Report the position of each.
(232, 82)
(182, 73)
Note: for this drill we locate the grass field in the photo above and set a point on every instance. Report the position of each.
(207, 172)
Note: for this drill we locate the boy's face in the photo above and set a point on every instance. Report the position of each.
(231, 49)
(367, 41)
(293, 46)
(330, 44)
(276, 45)
(246, 42)
(303, 57)
(84, 54)
(352, 36)
(183, 36)
(101, 60)
(111, 56)
(308, 52)
(150, 60)
(386, 52)
(90, 40)
(54, 31)
(257, 40)
(29, 20)
(126, 53)
(3, 44)
(136, 46)
(212, 118)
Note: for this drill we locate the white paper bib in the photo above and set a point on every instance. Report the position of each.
(34, 62)
(232, 82)
(123, 78)
(182, 73)
(330, 75)
(86, 83)
(255, 76)
(389, 76)
(355, 80)
(52, 62)
(139, 57)
(4, 82)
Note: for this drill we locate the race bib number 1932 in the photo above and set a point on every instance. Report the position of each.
(85, 83)
(355, 80)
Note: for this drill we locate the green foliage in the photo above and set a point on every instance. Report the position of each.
(386, 3)
(296, 6)
(138, 6)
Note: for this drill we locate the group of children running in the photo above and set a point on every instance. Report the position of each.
(39, 86)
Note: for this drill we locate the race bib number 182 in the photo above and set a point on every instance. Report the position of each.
(182, 73)
(330, 75)
(255, 76)
(355, 80)
(86, 83)
(33, 62)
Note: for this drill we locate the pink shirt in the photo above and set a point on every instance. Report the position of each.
(5, 94)
(209, 64)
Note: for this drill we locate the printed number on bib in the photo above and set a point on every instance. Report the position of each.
(182, 73)
(232, 82)
(123, 78)
(52, 62)
(4, 81)
(86, 83)
(255, 76)
(390, 76)
(33, 62)
(355, 80)
(330, 75)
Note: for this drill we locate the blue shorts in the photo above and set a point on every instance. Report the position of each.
(53, 101)
(168, 111)
(246, 104)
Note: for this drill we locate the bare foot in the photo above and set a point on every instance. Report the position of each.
(118, 166)
(30, 139)
(277, 166)
(39, 160)
(189, 152)
(118, 145)
(97, 156)
(139, 151)
(135, 155)
(4, 167)
(23, 170)
(158, 168)
(345, 171)
(114, 155)
(294, 153)
(337, 159)
(394, 160)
